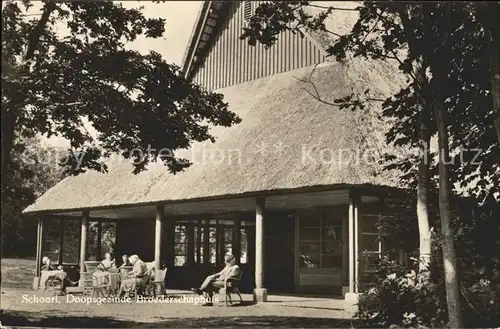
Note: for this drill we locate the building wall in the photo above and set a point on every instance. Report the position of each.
(231, 60)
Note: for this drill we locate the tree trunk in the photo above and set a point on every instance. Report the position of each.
(425, 239)
(449, 256)
(422, 84)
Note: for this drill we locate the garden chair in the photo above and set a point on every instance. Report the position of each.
(88, 283)
(143, 289)
(157, 287)
(232, 286)
(101, 285)
(54, 284)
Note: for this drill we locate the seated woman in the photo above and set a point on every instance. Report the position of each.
(108, 262)
(137, 278)
(125, 261)
(47, 265)
(63, 276)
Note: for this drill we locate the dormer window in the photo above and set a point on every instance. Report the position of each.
(247, 10)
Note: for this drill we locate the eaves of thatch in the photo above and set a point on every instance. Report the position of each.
(287, 140)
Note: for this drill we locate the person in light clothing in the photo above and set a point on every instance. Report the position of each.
(62, 276)
(216, 281)
(138, 277)
(108, 262)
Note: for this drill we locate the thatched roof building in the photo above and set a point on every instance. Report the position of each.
(309, 168)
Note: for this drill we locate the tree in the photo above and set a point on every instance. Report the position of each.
(487, 14)
(429, 42)
(135, 102)
(270, 19)
(33, 170)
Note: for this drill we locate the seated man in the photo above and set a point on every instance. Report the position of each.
(138, 277)
(216, 281)
(63, 277)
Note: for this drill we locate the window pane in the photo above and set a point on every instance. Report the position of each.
(228, 248)
(332, 220)
(108, 238)
(368, 224)
(92, 241)
(332, 233)
(179, 260)
(331, 261)
(369, 242)
(181, 249)
(198, 239)
(310, 220)
(213, 253)
(309, 255)
(212, 238)
(52, 239)
(332, 247)
(228, 234)
(71, 241)
(309, 234)
(368, 262)
(202, 243)
(180, 233)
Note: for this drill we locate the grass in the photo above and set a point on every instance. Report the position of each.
(17, 273)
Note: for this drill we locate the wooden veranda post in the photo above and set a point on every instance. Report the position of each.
(39, 245)
(39, 255)
(260, 293)
(83, 244)
(353, 244)
(160, 214)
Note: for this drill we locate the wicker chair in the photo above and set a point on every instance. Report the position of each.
(101, 285)
(146, 288)
(232, 286)
(54, 285)
(157, 287)
(88, 283)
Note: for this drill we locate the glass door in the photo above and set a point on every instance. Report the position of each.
(320, 255)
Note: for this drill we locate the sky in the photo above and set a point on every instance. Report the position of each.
(180, 17)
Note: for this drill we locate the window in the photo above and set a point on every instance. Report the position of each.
(198, 245)
(320, 241)
(92, 252)
(61, 239)
(52, 239)
(244, 245)
(211, 241)
(180, 245)
(108, 237)
(71, 241)
(227, 241)
(247, 9)
(370, 244)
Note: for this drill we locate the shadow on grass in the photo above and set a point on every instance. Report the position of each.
(22, 318)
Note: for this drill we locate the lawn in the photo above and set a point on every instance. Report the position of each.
(17, 273)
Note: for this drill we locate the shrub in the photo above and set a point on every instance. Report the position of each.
(396, 300)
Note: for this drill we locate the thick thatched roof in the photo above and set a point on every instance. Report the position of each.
(275, 110)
